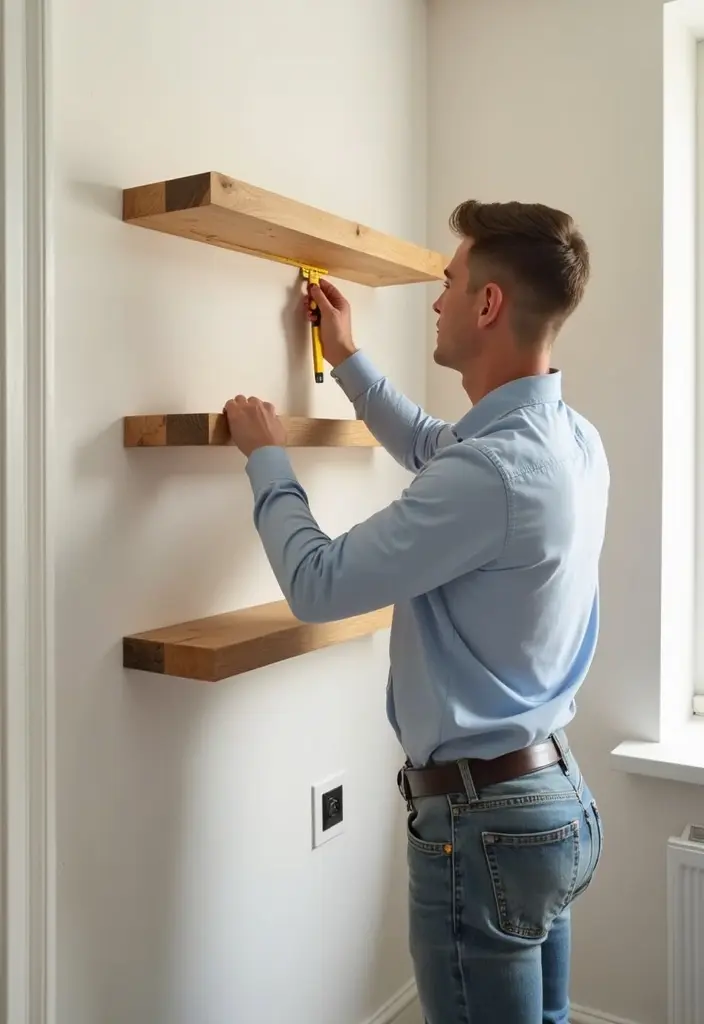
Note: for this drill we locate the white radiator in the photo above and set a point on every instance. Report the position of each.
(685, 926)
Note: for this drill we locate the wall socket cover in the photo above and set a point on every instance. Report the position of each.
(321, 810)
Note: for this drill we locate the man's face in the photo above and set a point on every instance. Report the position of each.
(462, 315)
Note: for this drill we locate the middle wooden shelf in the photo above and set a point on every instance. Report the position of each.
(173, 430)
(226, 645)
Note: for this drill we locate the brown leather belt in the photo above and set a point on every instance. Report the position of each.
(444, 779)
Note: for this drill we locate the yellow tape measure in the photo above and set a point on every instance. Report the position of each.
(313, 275)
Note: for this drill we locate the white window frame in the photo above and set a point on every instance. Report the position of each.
(667, 737)
(698, 667)
(26, 554)
(682, 486)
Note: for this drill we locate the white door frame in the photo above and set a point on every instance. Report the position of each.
(26, 556)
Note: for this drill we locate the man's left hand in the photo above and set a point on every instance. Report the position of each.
(253, 424)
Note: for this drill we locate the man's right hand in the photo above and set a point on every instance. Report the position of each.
(335, 322)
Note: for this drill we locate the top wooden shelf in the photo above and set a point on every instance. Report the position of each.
(218, 210)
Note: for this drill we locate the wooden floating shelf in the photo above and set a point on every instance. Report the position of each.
(218, 210)
(227, 645)
(173, 430)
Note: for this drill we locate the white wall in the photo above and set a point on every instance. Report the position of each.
(187, 890)
(562, 103)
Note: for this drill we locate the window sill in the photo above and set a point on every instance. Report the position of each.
(679, 758)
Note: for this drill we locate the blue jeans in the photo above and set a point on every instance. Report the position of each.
(492, 877)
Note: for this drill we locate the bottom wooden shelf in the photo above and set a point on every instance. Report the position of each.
(227, 645)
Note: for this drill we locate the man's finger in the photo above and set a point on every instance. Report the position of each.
(333, 295)
(318, 295)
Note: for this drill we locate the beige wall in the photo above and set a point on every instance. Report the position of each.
(187, 889)
(562, 103)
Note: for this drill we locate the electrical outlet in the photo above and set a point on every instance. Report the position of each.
(328, 809)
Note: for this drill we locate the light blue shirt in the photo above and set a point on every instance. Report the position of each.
(490, 557)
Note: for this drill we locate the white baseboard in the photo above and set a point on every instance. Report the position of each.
(390, 1013)
(411, 1015)
(407, 999)
(581, 1015)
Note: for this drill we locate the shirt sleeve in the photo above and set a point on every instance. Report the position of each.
(402, 427)
(453, 518)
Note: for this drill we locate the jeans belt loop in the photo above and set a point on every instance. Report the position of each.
(403, 788)
(469, 787)
(560, 741)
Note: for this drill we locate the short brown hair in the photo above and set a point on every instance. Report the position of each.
(533, 251)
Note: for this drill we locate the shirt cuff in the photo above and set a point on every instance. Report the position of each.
(356, 375)
(267, 466)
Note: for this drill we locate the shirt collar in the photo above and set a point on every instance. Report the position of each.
(517, 394)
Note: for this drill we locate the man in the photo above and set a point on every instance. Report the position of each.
(491, 560)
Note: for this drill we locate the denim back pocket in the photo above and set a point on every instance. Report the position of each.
(592, 858)
(599, 836)
(533, 876)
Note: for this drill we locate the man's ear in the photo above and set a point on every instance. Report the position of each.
(492, 301)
